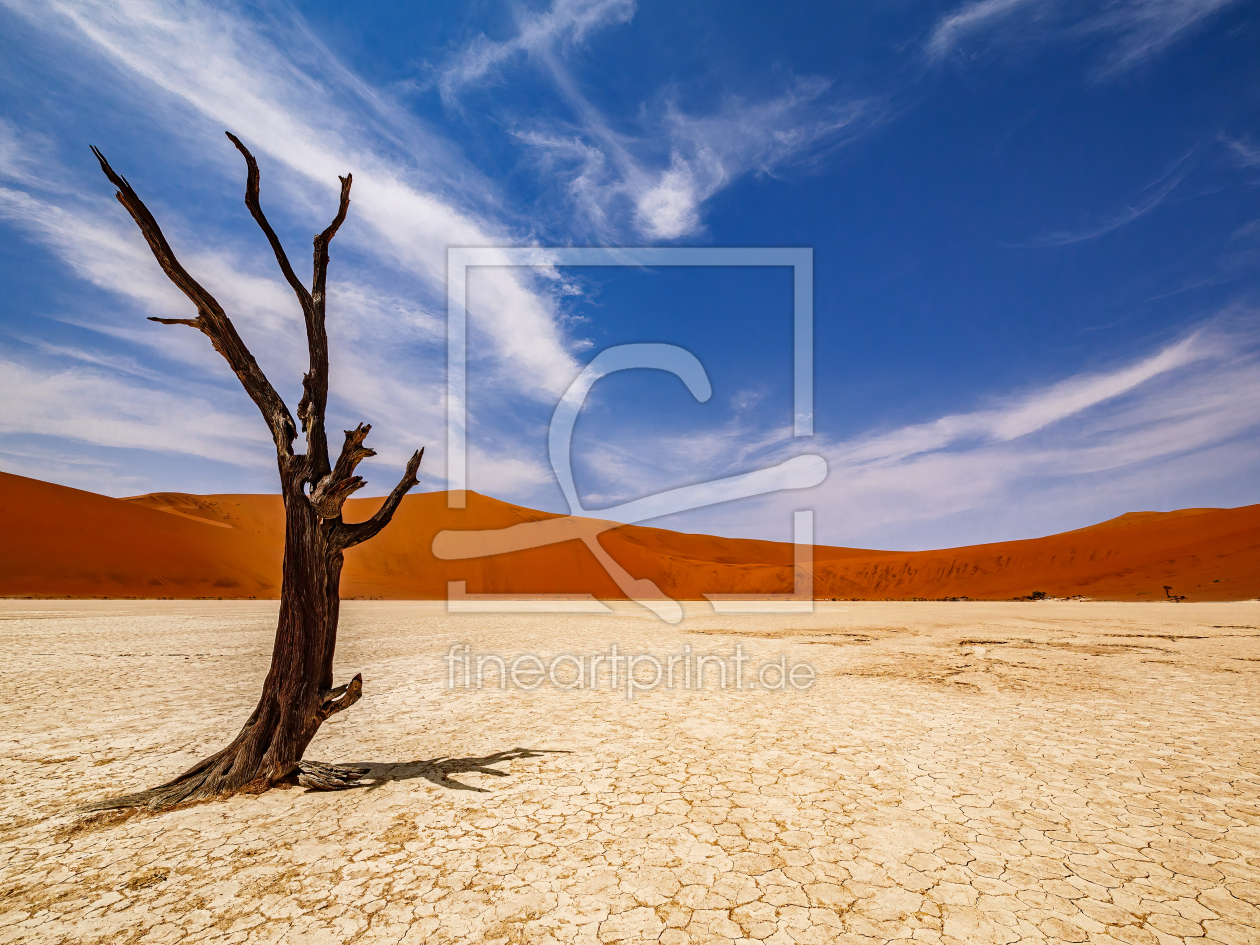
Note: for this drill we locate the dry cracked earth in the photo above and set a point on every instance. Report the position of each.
(958, 772)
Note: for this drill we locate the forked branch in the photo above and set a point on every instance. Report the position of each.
(347, 536)
(256, 211)
(330, 495)
(314, 404)
(331, 492)
(353, 451)
(331, 486)
(211, 320)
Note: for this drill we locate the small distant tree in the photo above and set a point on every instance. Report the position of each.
(298, 694)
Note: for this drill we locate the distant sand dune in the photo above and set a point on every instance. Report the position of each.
(64, 542)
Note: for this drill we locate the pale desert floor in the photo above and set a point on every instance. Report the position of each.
(1091, 773)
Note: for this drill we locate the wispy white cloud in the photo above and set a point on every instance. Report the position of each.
(1137, 30)
(617, 188)
(492, 473)
(1145, 28)
(652, 181)
(1020, 416)
(1133, 446)
(1247, 229)
(1039, 461)
(112, 255)
(1157, 191)
(119, 365)
(566, 21)
(630, 468)
(235, 77)
(970, 19)
(619, 182)
(312, 122)
(98, 407)
(308, 119)
(1245, 153)
(367, 330)
(65, 463)
(23, 157)
(649, 175)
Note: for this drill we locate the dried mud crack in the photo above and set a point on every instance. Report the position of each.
(967, 774)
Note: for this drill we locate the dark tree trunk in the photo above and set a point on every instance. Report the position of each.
(298, 694)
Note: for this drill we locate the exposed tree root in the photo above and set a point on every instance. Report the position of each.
(325, 777)
(256, 760)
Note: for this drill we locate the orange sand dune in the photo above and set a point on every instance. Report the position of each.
(62, 542)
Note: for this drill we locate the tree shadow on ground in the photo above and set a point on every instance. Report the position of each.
(439, 771)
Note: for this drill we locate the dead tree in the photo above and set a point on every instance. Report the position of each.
(298, 694)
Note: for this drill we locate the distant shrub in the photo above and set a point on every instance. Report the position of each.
(1037, 595)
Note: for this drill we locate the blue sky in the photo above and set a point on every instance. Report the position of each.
(1036, 228)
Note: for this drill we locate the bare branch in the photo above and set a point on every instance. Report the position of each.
(195, 323)
(331, 492)
(347, 536)
(211, 320)
(255, 208)
(314, 403)
(306, 408)
(322, 241)
(336, 700)
(315, 384)
(353, 451)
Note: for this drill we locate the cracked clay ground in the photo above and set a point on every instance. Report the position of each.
(972, 773)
